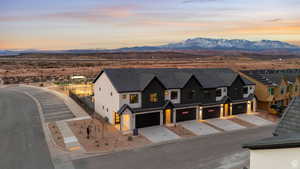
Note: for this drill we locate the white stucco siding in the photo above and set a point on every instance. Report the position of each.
(126, 100)
(106, 98)
(275, 159)
(224, 93)
(168, 96)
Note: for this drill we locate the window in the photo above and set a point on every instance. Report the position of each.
(296, 88)
(99, 88)
(117, 118)
(219, 92)
(111, 93)
(282, 90)
(271, 91)
(192, 94)
(133, 98)
(245, 90)
(124, 96)
(166, 93)
(103, 107)
(106, 109)
(153, 97)
(174, 95)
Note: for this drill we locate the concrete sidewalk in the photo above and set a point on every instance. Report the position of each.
(70, 139)
(74, 107)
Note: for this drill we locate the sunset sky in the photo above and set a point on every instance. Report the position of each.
(90, 24)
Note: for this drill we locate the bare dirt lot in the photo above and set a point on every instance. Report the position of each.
(56, 135)
(104, 138)
(59, 67)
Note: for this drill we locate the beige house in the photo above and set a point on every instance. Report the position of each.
(274, 87)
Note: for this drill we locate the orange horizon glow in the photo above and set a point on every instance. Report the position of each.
(57, 25)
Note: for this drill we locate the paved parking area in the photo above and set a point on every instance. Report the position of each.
(199, 128)
(224, 124)
(253, 119)
(158, 134)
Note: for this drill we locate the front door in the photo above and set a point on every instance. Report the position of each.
(125, 122)
(226, 110)
(168, 116)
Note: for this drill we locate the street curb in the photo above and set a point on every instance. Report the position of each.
(48, 137)
(179, 140)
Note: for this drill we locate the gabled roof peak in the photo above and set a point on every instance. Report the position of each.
(136, 79)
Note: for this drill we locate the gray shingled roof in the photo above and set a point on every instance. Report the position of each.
(290, 121)
(286, 141)
(136, 79)
(273, 77)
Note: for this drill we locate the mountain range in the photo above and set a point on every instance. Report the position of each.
(189, 44)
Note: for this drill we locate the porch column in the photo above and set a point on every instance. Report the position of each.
(174, 116)
(230, 110)
(254, 105)
(161, 117)
(200, 113)
(197, 113)
(121, 122)
(132, 121)
(222, 110)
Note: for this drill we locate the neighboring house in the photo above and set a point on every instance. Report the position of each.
(282, 151)
(274, 87)
(135, 98)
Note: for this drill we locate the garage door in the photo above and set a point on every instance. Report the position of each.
(185, 114)
(239, 108)
(147, 119)
(211, 112)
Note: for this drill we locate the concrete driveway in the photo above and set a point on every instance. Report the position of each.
(253, 119)
(226, 125)
(158, 134)
(199, 128)
(218, 151)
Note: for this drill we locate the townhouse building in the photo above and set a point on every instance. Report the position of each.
(274, 87)
(135, 98)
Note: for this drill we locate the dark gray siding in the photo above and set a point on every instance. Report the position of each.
(153, 87)
(208, 96)
(192, 85)
(236, 91)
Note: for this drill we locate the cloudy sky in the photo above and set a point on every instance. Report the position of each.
(89, 24)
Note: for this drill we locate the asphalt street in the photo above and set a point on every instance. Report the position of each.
(22, 141)
(23, 145)
(220, 151)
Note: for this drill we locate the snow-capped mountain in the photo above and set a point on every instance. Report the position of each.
(208, 43)
(189, 44)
